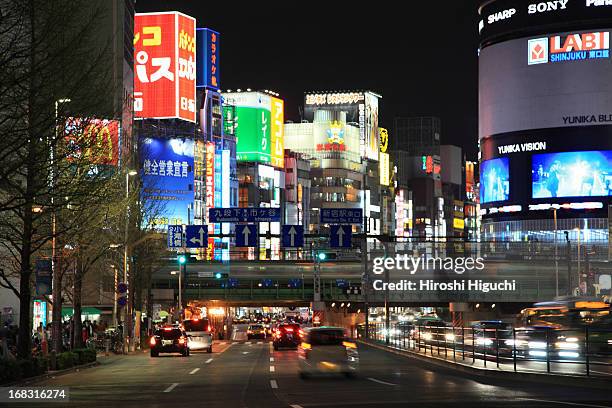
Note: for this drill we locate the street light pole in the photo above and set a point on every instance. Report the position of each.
(127, 320)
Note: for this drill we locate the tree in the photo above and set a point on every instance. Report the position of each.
(48, 54)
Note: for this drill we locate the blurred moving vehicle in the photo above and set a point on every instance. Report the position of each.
(287, 335)
(433, 332)
(327, 350)
(200, 334)
(256, 331)
(169, 340)
(490, 337)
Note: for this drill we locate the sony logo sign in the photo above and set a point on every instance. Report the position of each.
(547, 6)
(522, 147)
(597, 3)
(501, 15)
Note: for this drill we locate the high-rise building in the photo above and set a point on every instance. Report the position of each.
(418, 136)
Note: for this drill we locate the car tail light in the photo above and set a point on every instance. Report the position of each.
(301, 333)
(306, 346)
(208, 327)
(349, 344)
(167, 328)
(152, 341)
(249, 331)
(289, 329)
(196, 319)
(181, 340)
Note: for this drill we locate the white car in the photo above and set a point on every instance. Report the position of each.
(200, 334)
(327, 350)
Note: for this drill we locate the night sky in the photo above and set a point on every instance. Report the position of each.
(421, 58)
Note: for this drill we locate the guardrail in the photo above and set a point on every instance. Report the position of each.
(586, 351)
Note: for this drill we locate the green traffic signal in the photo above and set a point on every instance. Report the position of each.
(218, 275)
(182, 259)
(322, 256)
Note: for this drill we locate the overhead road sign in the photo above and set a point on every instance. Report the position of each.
(175, 236)
(293, 236)
(244, 215)
(340, 236)
(196, 236)
(246, 235)
(341, 216)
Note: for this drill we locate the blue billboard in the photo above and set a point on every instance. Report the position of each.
(208, 73)
(167, 180)
(494, 180)
(571, 174)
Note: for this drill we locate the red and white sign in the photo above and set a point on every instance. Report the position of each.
(164, 66)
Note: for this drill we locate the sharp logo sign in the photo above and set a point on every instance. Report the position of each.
(546, 6)
(501, 15)
(573, 47)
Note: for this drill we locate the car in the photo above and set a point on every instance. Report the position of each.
(433, 332)
(256, 331)
(287, 335)
(491, 337)
(327, 350)
(200, 334)
(169, 340)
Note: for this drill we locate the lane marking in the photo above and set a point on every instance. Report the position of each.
(259, 342)
(271, 369)
(245, 352)
(170, 388)
(575, 404)
(273, 384)
(271, 359)
(195, 370)
(295, 406)
(381, 382)
(248, 342)
(208, 361)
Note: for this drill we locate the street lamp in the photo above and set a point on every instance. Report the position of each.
(126, 313)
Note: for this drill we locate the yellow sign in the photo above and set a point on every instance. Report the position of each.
(384, 169)
(383, 136)
(458, 223)
(277, 150)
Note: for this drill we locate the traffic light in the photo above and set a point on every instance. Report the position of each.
(220, 275)
(325, 256)
(181, 259)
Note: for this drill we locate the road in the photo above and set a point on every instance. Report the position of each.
(253, 375)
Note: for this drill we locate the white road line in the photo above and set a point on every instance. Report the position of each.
(259, 342)
(245, 352)
(170, 388)
(295, 406)
(381, 382)
(247, 342)
(195, 370)
(575, 404)
(273, 384)
(271, 359)
(271, 369)
(208, 361)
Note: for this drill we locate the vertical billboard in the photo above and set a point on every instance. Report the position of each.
(252, 125)
(167, 179)
(209, 53)
(495, 180)
(164, 66)
(277, 151)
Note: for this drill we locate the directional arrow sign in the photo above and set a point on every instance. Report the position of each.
(196, 236)
(293, 236)
(340, 236)
(246, 235)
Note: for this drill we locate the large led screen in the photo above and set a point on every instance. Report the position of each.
(494, 180)
(546, 81)
(572, 174)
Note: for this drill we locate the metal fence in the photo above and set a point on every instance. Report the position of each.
(586, 351)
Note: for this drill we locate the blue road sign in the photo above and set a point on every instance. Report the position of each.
(246, 235)
(196, 236)
(175, 236)
(341, 216)
(340, 236)
(244, 215)
(293, 236)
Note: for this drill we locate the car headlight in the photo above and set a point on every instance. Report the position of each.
(565, 345)
(449, 336)
(484, 342)
(427, 336)
(537, 344)
(516, 343)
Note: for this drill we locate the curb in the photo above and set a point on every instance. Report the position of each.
(483, 373)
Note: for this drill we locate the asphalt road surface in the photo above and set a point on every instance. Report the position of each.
(251, 374)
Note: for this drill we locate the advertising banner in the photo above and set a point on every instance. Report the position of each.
(96, 140)
(167, 179)
(252, 126)
(210, 174)
(494, 180)
(164, 66)
(209, 58)
(44, 276)
(277, 151)
(546, 81)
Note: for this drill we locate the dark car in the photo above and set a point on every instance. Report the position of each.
(491, 337)
(169, 340)
(287, 335)
(256, 331)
